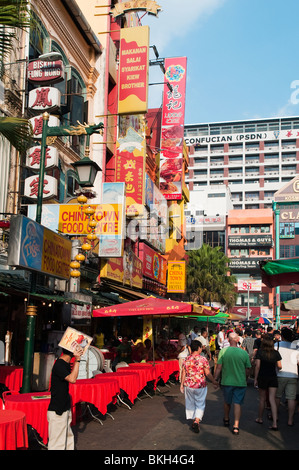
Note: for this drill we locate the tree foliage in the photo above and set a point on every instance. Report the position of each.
(14, 15)
(208, 277)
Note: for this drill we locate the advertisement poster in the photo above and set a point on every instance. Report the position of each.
(154, 264)
(74, 340)
(172, 134)
(126, 270)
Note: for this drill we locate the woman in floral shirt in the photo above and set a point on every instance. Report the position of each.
(194, 384)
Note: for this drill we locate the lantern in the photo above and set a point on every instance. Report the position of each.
(75, 265)
(86, 247)
(82, 199)
(89, 211)
(80, 257)
(75, 273)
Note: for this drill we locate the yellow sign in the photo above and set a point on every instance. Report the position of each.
(176, 281)
(73, 220)
(56, 255)
(147, 328)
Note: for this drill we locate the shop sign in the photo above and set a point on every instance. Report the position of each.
(150, 6)
(133, 70)
(42, 71)
(176, 276)
(250, 284)
(130, 169)
(154, 264)
(34, 155)
(37, 124)
(245, 264)
(172, 133)
(44, 99)
(32, 183)
(250, 240)
(37, 248)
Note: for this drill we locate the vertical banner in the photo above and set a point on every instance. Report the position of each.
(130, 163)
(133, 70)
(176, 281)
(172, 134)
(147, 332)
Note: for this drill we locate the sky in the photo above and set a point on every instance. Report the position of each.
(242, 57)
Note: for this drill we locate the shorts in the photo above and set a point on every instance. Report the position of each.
(266, 382)
(233, 394)
(287, 385)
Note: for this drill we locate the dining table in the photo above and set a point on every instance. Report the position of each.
(13, 430)
(11, 377)
(34, 406)
(147, 373)
(99, 391)
(129, 381)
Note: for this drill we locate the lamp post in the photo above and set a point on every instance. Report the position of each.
(32, 307)
(277, 289)
(31, 311)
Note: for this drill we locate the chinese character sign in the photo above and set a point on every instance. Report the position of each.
(173, 117)
(130, 169)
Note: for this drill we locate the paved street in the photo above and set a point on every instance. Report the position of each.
(159, 424)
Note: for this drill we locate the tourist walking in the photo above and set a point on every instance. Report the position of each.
(266, 362)
(234, 365)
(195, 371)
(288, 375)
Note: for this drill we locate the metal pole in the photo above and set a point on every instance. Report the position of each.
(277, 253)
(32, 308)
(248, 303)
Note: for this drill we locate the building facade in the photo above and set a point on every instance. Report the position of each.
(254, 158)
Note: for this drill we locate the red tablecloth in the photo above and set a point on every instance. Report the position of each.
(35, 407)
(13, 430)
(128, 381)
(100, 392)
(11, 377)
(147, 373)
(167, 368)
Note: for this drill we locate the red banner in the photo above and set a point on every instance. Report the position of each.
(172, 136)
(154, 264)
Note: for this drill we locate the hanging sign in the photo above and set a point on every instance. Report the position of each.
(31, 187)
(34, 155)
(44, 99)
(42, 71)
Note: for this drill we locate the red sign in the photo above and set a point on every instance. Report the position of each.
(46, 71)
(154, 264)
(173, 117)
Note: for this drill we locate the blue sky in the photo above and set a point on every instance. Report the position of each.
(243, 56)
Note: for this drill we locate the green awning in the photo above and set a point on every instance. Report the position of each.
(281, 272)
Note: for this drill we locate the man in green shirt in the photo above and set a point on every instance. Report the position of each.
(234, 365)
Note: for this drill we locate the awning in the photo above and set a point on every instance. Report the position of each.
(280, 272)
(148, 306)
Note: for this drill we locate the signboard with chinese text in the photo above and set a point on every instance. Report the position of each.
(172, 134)
(37, 124)
(133, 70)
(176, 276)
(44, 99)
(37, 248)
(34, 155)
(148, 5)
(126, 270)
(31, 187)
(130, 169)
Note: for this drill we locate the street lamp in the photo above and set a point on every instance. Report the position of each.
(87, 170)
(293, 292)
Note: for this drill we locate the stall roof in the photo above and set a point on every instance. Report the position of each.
(280, 272)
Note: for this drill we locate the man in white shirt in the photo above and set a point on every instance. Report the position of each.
(203, 338)
(288, 375)
(182, 349)
(221, 337)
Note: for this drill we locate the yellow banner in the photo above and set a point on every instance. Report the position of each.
(176, 272)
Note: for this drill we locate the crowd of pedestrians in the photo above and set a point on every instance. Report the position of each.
(233, 357)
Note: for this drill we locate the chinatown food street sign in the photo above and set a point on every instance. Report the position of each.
(42, 71)
(37, 248)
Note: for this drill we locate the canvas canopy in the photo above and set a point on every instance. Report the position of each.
(149, 306)
(280, 272)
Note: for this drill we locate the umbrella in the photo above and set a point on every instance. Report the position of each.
(148, 306)
(280, 272)
(263, 321)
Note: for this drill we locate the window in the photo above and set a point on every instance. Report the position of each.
(287, 251)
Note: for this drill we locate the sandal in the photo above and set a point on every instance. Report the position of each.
(273, 428)
(226, 422)
(195, 426)
(235, 430)
(259, 421)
